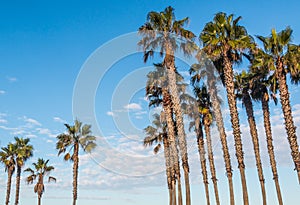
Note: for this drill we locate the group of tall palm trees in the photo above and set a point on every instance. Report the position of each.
(224, 44)
(14, 156)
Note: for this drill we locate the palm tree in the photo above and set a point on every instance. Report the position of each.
(242, 86)
(281, 57)
(41, 169)
(204, 106)
(157, 134)
(157, 93)
(77, 135)
(224, 40)
(163, 32)
(23, 153)
(260, 88)
(7, 157)
(198, 72)
(189, 105)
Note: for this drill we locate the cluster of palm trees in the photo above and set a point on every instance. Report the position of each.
(14, 156)
(224, 43)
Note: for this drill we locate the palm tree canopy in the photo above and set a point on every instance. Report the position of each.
(41, 169)
(224, 35)
(161, 29)
(7, 156)
(278, 50)
(77, 133)
(23, 150)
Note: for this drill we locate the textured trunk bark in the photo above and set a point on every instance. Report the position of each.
(174, 159)
(211, 162)
(75, 172)
(168, 167)
(9, 176)
(211, 79)
(268, 131)
(253, 131)
(228, 74)
(18, 178)
(180, 129)
(288, 117)
(201, 150)
(39, 199)
(169, 63)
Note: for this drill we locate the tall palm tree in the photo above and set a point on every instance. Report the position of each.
(157, 92)
(281, 57)
(224, 40)
(204, 106)
(190, 108)
(23, 152)
(39, 171)
(198, 72)
(260, 92)
(77, 136)
(7, 157)
(157, 134)
(162, 31)
(242, 86)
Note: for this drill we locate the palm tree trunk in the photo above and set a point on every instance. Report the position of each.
(231, 98)
(211, 162)
(18, 178)
(75, 172)
(253, 131)
(174, 159)
(211, 79)
(268, 131)
(201, 150)
(288, 118)
(39, 199)
(180, 129)
(168, 167)
(9, 176)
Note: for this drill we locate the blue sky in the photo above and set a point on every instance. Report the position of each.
(45, 47)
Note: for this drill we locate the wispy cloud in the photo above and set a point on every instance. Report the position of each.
(58, 119)
(110, 113)
(2, 92)
(133, 106)
(31, 121)
(45, 131)
(11, 79)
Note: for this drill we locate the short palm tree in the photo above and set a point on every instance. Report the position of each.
(281, 58)
(224, 40)
(260, 89)
(162, 31)
(39, 171)
(206, 69)
(190, 108)
(23, 152)
(158, 94)
(7, 157)
(204, 107)
(243, 83)
(77, 136)
(158, 134)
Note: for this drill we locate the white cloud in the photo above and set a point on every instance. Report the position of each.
(110, 113)
(2, 92)
(31, 121)
(133, 106)
(58, 119)
(3, 121)
(12, 79)
(45, 131)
